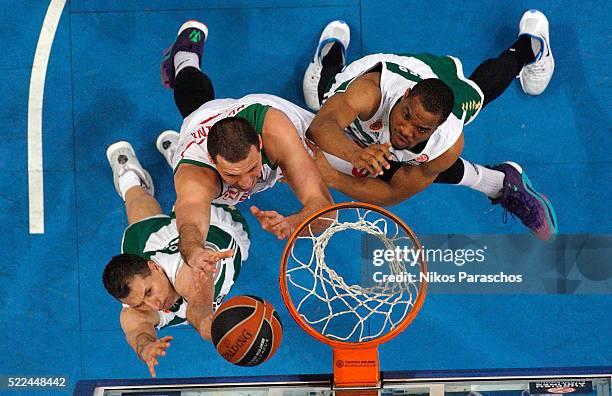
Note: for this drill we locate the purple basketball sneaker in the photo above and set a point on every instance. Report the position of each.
(523, 201)
(190, 38)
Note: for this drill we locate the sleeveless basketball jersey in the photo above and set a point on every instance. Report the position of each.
(398, 73)
(192, 146)
(156, 238)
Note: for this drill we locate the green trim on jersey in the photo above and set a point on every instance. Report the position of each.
(193, 162)
(402, 71)
(342, 87)
(255, 114)
(175, 321)
(136, 235)
(368, 139)
(467, 98)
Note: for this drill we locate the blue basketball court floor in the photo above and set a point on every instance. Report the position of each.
(101, 84)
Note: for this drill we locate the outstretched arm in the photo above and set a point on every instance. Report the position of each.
(361, 99)
(139, 330)
(284, 146)
(196, 187)
(407, 181)
(198, 288)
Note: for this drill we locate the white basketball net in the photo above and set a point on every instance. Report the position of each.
(366, 313)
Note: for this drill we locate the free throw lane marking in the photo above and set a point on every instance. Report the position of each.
(36, 198)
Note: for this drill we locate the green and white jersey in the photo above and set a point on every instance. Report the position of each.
(192, 146)
(398, 73)
(156, 238)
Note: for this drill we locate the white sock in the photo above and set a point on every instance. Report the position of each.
(480, 178)
(128, 180)
(183, 59)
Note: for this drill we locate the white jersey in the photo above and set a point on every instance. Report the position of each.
(156, 238)
(398, 73)
(192, 145)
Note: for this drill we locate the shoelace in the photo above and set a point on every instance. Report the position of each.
(316, 76)
(540, 69)
(517, 203)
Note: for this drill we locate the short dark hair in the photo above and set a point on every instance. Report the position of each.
(435, 96)
(232, 138)
(119, 272)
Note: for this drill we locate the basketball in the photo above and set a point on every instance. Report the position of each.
(246, 330)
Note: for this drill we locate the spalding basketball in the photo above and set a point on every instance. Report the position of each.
(246, 330)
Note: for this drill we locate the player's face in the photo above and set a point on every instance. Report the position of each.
(151, 293)
(410, 123)
(242, 174)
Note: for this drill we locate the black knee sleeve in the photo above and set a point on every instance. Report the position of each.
(192, 88)
(452, 175)
(494, 75)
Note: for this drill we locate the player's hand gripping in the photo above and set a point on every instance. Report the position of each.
(152, 349)
(374, 158)
(205, 260)
(273, 222)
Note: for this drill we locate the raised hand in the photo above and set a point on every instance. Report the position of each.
(273, 222)
(205, 260)
(151, 350)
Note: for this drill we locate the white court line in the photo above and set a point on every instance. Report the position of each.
(36, 196)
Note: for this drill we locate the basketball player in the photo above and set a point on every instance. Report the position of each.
(149, 277)
(229, 149)
(400, 119)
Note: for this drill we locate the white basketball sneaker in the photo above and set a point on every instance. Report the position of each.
(335, 32)
(535, 76)
(166, 144)
(122, 158)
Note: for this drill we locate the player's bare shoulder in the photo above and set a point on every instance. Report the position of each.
(279, 135)
(364, 94)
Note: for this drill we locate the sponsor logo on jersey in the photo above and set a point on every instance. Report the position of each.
(422, 158)
(360, 172)
(376, 125)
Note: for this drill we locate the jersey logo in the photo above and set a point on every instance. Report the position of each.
(232, 193)
(418, 160)
(377, 125)
(360, 172)
(422, 158)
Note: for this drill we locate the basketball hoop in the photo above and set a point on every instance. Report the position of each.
(353, 308)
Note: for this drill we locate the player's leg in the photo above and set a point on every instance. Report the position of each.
(508, 185)
(132, 182)
(140, 205)
(329, 59)
(180, 69)
(530, 58)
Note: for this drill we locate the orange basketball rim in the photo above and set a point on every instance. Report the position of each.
(356, 363)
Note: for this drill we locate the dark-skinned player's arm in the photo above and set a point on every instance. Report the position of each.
(361, 99)
(284, 147)
(139, 329)
(196, 187)
(406, 182)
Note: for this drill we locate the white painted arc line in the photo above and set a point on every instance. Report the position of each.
(36, 199)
